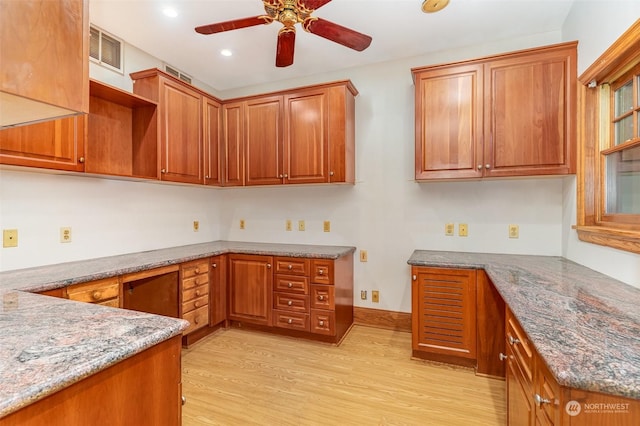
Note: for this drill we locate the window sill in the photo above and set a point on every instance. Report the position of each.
(615, 238)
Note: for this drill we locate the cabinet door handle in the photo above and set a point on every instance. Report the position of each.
(286, 175)
(331, 173)
(487, 166)
(281, 176)
(502, 356)
(414, 277)
(479, 166)
(215, 265)
(207, 177)
(268, 266)
(184, 398)
(513, 340)
(163, 170)
(540, 400)
(81, 160)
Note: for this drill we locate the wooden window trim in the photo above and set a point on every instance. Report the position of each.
(619, 58)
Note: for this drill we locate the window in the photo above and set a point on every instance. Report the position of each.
(609, 172)
(105, 49)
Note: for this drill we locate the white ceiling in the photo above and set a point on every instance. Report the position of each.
(399, 29)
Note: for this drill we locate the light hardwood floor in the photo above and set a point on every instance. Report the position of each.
(241, 377)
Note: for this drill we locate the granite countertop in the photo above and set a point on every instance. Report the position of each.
(60, 275)
(49, 343)
(584, 324)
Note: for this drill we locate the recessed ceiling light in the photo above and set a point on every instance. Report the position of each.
(170, 12)
(226, 52)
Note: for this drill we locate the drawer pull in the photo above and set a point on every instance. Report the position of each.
(502, 356)
(196, 282)
(290, 302)
(184, 399)
(96, 295)
(196, 320)
(289, 321)
(321, 272)
(197, 271)
(540, 400)
(197, 292)
(321, 323)
(290, 267)
(196, 304)
(290, 285)
(513, 340)
(215, 265)
(320, 297)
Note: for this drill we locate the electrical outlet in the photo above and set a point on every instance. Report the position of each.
(363, 294)
(375, 296)
(514, 231)
(287, 225)
(301, 225)
(196, 226)
(65, 234)
(463, 230)
(364, 256)
(10, 238)
(449, 229)
(326, 226)
(242, 223)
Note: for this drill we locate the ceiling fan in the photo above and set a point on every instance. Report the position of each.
(289, 13)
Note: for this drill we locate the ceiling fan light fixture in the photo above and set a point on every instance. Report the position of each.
(431, 6)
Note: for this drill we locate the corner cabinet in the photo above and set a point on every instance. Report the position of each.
(506, 115)
(301, 136)
(181, 125)
(44, 52)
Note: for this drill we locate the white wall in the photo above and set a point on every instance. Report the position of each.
(385, 213)
(597, 24)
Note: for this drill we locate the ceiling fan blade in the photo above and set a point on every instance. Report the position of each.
(314, 4)
(286, 45)
(233, 25)
(334, 32)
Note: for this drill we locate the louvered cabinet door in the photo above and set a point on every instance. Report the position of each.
(444, 313)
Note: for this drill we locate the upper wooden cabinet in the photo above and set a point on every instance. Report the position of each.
(45, 60)
(506, 115)
(304, 135)
(211, 120)
(186, 119)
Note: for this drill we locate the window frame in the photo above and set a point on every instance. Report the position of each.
(595, 128)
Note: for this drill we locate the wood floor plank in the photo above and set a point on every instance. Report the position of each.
(241, 377)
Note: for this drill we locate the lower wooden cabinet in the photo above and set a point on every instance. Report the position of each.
(194, 281)
(250, 289)
(444, 314)
(103, 292)
(218, 290)
(143, 390)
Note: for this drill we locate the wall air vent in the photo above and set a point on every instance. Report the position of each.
(106, 50)
(177, 73)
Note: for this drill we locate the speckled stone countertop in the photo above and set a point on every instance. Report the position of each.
(48, 343)
(64, 274)
(585, 325)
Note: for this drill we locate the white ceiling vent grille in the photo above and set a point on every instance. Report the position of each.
(177, 73)
(106, 50)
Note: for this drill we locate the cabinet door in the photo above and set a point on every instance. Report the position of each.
(444, 311)
(306, 137)
(233, 145)
(519, 402)
(181, 133)
(530, 113)
(44, 54)
(250, 289)
(211, 136)
(263, 141)
(218, 293)
(342, 134)
(449, 122)
(55, 144)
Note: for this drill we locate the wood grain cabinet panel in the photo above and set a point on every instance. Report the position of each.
(263, 144)
(444, 314)
(218, 290)
(233, 144)
(104, 292)
(194, 294)
(250, 288)
(44, 54)
(506, 115)
(211, 121)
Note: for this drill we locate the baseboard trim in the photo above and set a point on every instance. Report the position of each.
(390, 320)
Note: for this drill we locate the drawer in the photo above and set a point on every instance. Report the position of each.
(292, 265)
(291, 302)
(95, 291)
(195, 292)
(192, 304)
(188, 283)
(519, 344)
(322, 297)
(197, 319)
(291, 320)
(114, 303)
(192, 269)
(323, 322)
(322, 271)
(291, 284)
